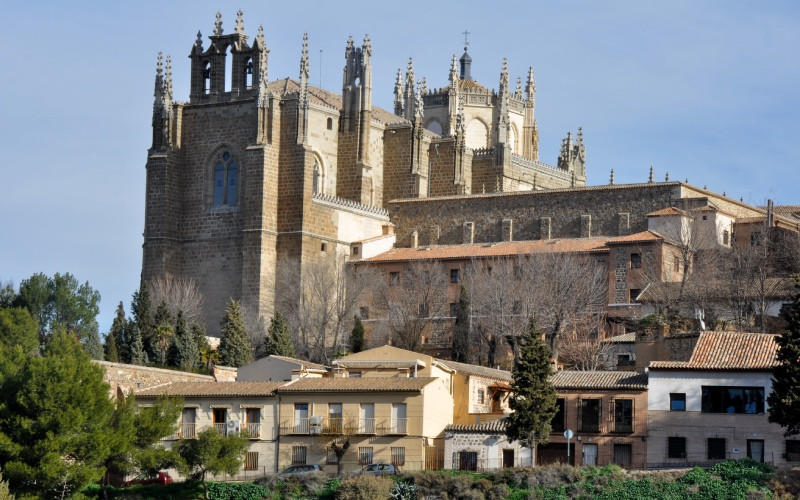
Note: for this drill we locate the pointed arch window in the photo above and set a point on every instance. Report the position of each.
(226, 180)
(207, 77)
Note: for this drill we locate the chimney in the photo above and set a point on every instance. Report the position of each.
(414, 239)
(544, 228)
(508, 229)
(469, 233)
(586, 226)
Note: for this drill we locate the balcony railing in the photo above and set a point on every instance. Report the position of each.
(251, 430)
(338, 425)
(366, 426)
(221, 429)
(333, 425)
(184, 431)
(398, 426)
(300, 426)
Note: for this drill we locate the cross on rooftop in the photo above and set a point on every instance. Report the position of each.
(466, 42)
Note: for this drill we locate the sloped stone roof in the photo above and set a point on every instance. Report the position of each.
(722, 351)
(480, 371)
(492, 426)
(215, 389)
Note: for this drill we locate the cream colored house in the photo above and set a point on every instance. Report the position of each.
(247, 408)
(480, 394)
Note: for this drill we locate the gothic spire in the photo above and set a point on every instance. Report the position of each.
(518, 91)
(504, 76)
(453, 71)
(398, 93)
(304, 73)
(263, 80)
(218, 24)
(366, 48)
(350, 47)
(198, 44)
(410, 96)
(239, 23)
(168, 80)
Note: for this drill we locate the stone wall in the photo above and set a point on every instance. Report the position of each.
(124, 378)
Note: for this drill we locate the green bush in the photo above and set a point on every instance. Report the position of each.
(236, 491)
(365, 487)
(404, 490)
(744, 469)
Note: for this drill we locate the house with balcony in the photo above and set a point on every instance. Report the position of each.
(244, 408)
(713, 407)
(480, 394)
(394, 419)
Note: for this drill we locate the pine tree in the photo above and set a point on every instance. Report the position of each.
(112, 355)
(138, 354)
(461, 328)
(533, 399)
(278, 341)
(234, 344)
(357, 336)
(118, 327)
(91, 342)
(784, 400)
(183, 351)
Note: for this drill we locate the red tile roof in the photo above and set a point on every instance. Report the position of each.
(215, 389)
(728, 351)
(664, 212)
(478, 371)
(643, 237)
(619, 380)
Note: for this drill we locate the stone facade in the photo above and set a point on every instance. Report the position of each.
(124, 378)
(248, 173)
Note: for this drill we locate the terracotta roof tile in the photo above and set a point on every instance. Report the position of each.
(217, 389)
(728, 351)
(480, 371)
(366, 384)
(379, 363)
(499, 249)
(665, 212)
(641, 237)
(492, 426)
(308, 364)
(625, 338)
(619, 380)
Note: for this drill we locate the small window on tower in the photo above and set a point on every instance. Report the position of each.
(330, 123)
(323, 247)
(636, 260)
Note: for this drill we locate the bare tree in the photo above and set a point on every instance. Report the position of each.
(180, 294)
(583, 348)
(412, 301)
(318, 300)
(256, 326)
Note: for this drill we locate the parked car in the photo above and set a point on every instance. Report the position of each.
(153, 478)
(302, 470)
(380, 469)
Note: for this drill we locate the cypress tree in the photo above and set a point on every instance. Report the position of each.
(138, 354)
(278, 340)
(111, 352)
(533, 399)
(163, 333)
(357, 336)
(784, 400)
(234, 344)
(461, 328)
(183, 351)
(141, 309)
(118, 327)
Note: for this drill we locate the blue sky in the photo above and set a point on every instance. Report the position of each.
(709, 91)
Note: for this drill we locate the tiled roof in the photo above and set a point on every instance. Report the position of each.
(217, 389)
(664, 212)
(774, 288)
(620, 380)
(317, 95)
(500, 249)
(480, 371)
(472, 86)
(785, 210)
(366, 384)
(625, 338)
(728, 351)
(379, 363)
(641, 237)
(308, 364)
(750, 220)
(492, 426)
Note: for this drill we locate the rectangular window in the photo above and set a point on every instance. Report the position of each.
(399, 420)
(755, 449)
(454, 310)
(398, 456)
(516, 307)
(330, 458)
(636, 261)
(793, 450)
(394, 278)
(455, 276)
(676, 264)
(363, 312)
(623, 454)
(677, 401)
(634, 295)
(299, 454)
(251, 460)
(468, 460)
(324, 248)
(481, 396)
(188, 427)
(716, 448)
(334, 418)
(354, 374)
(725, 237)
(623, 415)
(301, 418)
(423, 310)
(590, 415)
(719, 399)
(557, 424)
(355, 250)
(364, 455)
(676, 447)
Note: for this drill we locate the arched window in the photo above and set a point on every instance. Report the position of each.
(315, 184)
(207, 77)
(226, 180)
(330, 123)
(248, 73)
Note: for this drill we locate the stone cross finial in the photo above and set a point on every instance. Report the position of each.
(650, 179)
(366, 48)
(218, 24)
(350, 47)
(611, 181)
(239, 23)
(666, 176)
(199, 42)
(399, 102)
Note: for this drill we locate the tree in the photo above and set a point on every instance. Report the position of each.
(533, 397)
(212, 453)
(784, 400)
(357, 336)
(462, 328)
(583, 348)
(163, 332)
(55, 419)
(234, 344)
(184, 353)
(413, 302)
(138, 354)
(339, 447)
(111, 353)
(18, 327)
(141, 309)
(279, 340)
(179, 294)
(120, 332)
